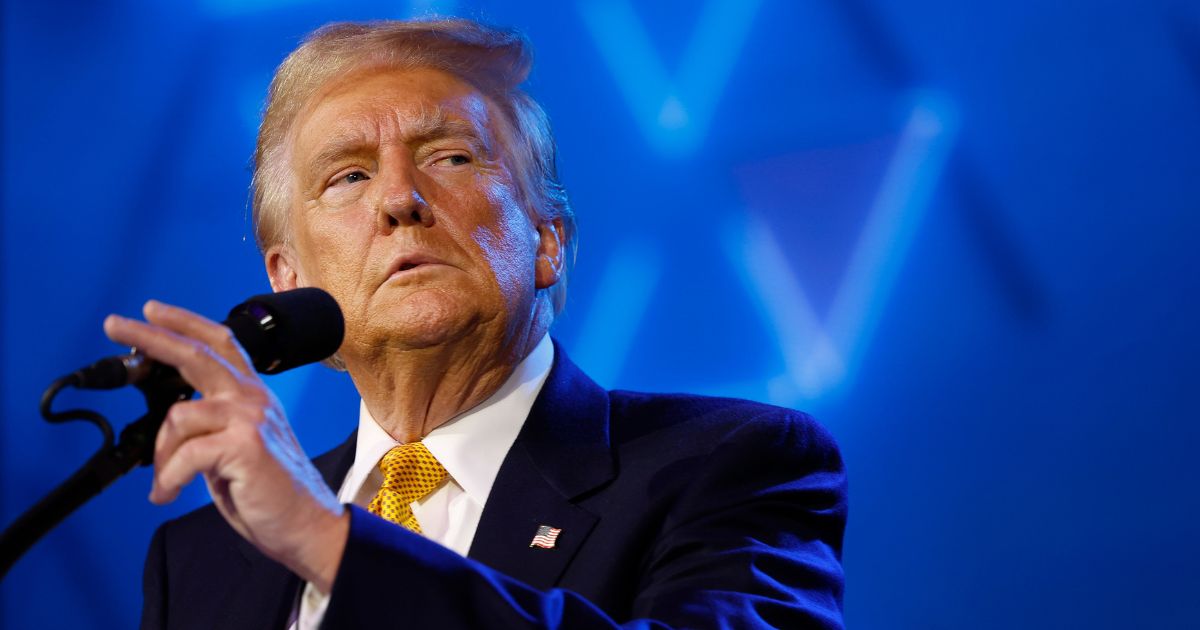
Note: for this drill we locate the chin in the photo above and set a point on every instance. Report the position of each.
(424, 319)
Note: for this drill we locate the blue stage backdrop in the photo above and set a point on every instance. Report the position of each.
(963, 235)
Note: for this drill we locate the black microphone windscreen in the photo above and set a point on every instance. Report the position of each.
(284, 330)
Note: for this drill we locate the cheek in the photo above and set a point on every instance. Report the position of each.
(335, 250)
(508, 242)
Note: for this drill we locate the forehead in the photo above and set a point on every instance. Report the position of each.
(373, 102)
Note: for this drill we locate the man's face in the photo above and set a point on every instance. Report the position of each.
(405, 210)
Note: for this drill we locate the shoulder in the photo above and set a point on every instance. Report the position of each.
(724, 450)
(705, 422)
(729, 464)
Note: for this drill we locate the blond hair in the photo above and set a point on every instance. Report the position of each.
(494, 61)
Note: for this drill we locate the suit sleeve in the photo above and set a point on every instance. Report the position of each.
(754, 541)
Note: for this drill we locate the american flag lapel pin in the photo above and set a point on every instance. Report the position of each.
(545, 537)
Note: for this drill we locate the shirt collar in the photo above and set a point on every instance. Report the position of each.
(471, 446)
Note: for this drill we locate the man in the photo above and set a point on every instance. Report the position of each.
(401, 168)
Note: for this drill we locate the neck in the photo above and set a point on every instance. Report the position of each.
(411, 392)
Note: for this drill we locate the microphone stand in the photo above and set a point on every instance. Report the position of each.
(161, 389)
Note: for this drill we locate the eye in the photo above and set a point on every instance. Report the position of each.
(349, 177)
(353, 177)
(457, 160)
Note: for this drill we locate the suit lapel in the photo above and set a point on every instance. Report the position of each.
(562, 452)
(267, 590)
(334, 464)
(262, 596)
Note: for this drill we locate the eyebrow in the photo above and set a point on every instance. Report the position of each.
(431, 123)
(338, 147)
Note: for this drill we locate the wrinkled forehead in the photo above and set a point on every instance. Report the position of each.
(409, 104)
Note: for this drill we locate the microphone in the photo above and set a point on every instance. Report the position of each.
(279, 331)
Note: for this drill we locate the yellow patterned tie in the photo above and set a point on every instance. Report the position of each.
(410, 473)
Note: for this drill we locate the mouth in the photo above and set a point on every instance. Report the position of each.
(410, 262)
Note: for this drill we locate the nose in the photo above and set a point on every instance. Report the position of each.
(400, 202)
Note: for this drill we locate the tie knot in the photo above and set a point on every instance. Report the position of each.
(410, 473)
(412, 470)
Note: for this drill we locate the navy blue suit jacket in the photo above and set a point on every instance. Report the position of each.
(675, 511)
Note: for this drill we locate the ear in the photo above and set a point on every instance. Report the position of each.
(548, 267)
(282, 269)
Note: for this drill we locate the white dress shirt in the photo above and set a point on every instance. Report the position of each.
(470, 447)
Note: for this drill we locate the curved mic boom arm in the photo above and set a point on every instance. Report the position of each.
(279, 331)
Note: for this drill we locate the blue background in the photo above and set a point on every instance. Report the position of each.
(962, 234)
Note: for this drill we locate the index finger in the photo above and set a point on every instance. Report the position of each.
(188, 324)
(198, 364)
